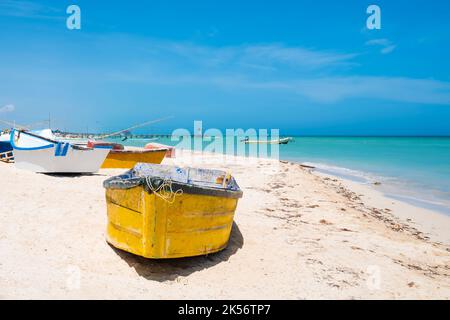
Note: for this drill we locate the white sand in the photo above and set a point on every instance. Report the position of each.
(298, 235)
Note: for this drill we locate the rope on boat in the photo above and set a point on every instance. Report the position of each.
(164, 190)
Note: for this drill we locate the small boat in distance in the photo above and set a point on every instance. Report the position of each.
(42, 153)
(274, 141)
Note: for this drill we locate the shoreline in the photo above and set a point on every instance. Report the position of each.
(388, 189)
(434, 224)
(297, 235)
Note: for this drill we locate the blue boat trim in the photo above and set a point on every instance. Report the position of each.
(65, 149)
(61, 149)
(11, 140)
(58, 150)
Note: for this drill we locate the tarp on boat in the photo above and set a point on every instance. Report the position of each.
(189, 180)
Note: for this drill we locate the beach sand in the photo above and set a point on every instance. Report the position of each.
(297, 235)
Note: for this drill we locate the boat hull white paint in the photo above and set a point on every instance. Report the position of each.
(45, 161)
(41, 156)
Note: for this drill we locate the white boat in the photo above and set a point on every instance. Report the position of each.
(40, 152)
(275, 141)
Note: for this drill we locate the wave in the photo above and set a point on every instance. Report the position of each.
(350, 174)
(392, 187)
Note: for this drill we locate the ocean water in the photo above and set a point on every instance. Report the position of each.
(413, 169)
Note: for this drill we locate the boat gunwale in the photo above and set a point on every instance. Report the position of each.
(51, 143)
(117, 182)
(15, 147)
(137, 151)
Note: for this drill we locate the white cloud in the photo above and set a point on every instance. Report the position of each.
(296, 56)
(336, 89)
(27, 9)
(325, 89)
(7, 108)
(388, 49)
(381, 42)
(307, 73)
(317, 75)
(256, 55)
(407, 90)
(387, 45)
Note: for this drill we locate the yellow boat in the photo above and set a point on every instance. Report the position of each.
(158, 211)
(130, 156)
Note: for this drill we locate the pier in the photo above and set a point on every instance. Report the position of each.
(81, 135)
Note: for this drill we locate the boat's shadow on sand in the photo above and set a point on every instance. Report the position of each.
(74, 175)
(170, 269)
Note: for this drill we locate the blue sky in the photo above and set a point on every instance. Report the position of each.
(305, 67)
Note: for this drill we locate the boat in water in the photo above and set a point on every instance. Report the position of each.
(39, 151)
(159, 211)
(274, 141)
(128, 157)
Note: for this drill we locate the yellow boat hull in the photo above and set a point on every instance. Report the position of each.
(142, 223)
(124, 159)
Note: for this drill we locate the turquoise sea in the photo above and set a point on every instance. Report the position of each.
(413, 169)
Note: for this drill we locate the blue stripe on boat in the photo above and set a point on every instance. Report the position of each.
(65, 149)
(58, 150)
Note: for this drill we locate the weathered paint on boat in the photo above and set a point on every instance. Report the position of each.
(197, 222)
(170, 149)
(104, 144)
(129, 157)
